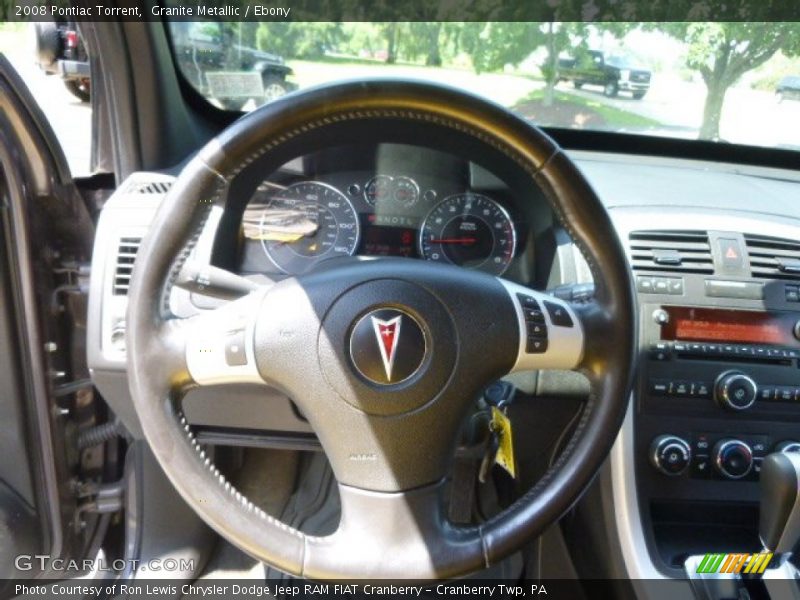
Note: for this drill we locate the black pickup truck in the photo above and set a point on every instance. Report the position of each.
(613, 73)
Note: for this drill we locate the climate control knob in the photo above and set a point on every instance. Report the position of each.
(733, 458)
(670, 454)
(735, 390)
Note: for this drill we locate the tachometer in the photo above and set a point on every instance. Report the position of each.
(305, 223)
(469, 230)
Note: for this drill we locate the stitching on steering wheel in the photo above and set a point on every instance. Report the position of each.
(507, 150)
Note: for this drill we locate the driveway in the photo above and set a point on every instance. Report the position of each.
(749, 116)
(70, 118)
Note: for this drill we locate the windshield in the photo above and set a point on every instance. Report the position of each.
(715, 81)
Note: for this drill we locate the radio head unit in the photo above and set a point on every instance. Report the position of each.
(691, 324)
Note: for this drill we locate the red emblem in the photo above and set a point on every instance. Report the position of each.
(387, 334)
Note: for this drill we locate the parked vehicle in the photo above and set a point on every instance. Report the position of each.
(613, 73)
(60, 51)
(230, 72)
(788, 88)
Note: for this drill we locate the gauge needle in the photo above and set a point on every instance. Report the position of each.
(454, 241)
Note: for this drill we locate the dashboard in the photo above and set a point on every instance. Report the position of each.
(385, 200)
(712, 249)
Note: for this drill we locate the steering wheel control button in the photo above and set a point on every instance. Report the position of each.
(536, 345)
(670, 454)
(733, 459)
(527, 301)
(558, 314)
(735, 391)
(551, 335)
(387, 346)
(235, 354)
(533, 315)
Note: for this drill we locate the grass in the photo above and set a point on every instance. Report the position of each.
(506, 89)
(613, 116)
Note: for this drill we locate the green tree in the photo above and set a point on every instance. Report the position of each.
(723, 52)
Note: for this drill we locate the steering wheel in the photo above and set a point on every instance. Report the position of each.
(382, 356)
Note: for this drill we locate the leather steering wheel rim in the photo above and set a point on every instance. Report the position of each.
(407, 517)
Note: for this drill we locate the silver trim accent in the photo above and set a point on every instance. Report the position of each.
(722, 386)
(627, 517)
(205, 342)
(722, 446)
(565, 345)
(663, 442)
(499, 207)
(791, 531)
(312, 260)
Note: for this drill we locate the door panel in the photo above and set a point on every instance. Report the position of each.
(42, 217)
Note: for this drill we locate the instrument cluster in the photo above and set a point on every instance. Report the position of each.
(297, 224)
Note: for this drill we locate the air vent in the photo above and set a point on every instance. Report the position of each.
(773, 258)
(126, 255)
(148, 187)
(671, 251)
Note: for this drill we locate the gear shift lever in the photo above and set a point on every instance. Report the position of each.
(778, 528)
(779, 521)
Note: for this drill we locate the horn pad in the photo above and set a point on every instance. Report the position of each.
(377, 346)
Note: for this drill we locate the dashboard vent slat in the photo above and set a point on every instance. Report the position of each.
(773, 258)
(671, 251)
(148, 187)
(126, 256)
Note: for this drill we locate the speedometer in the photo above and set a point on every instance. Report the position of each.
(469, 230)
(305, 223)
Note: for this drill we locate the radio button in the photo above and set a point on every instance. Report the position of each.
(701, 390)
(784, 393)
(660, 351)
(735, 390)
(766, 393)
(659, 387)
(680, 389)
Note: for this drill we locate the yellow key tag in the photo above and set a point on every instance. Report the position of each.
(505, 449)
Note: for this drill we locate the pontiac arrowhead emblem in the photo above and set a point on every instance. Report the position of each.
(387, 334)
(387, 346)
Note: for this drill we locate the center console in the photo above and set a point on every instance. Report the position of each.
(718, 390)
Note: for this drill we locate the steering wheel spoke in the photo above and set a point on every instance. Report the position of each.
(396, 535)
(551, 336)
(219, 345)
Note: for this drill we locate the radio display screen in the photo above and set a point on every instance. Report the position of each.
(734, 326)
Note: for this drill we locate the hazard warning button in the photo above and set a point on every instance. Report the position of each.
(731, 252)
